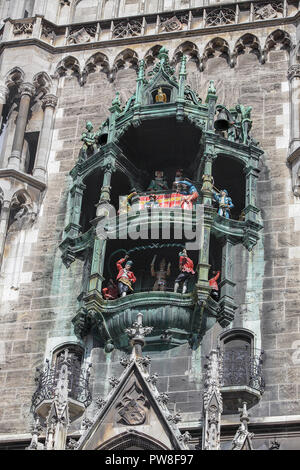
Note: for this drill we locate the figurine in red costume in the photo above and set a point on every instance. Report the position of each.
(125, 276)
(111, 291)
(186, 267)
(190, 194)
(214, 285)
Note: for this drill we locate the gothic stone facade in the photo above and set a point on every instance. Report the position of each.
(66, 60)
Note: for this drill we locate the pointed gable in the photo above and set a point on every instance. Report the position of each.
(134, 416)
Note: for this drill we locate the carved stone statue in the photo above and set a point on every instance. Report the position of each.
(234, 130)
(88, 138)
(246, 123)
(160, 283)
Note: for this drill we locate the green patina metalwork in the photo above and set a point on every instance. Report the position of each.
(184, 317)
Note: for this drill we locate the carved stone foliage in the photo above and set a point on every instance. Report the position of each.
(267, 10)
(175, 418)
(71, 444)
(82, 35)
(293, 72)
(174, 23)
(100, 402)
(133, 408)
(86, 423)
(50, 101)
(153, 379)
(48, 33)
(220, 16)
(163, 398)
(126, 29)
(185, 437)
(114, 381)
(22, 28)
(212, 403)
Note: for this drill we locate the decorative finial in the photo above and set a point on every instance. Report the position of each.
(244, 415)
(163, 54)
(211, 89)
(137, 334)
(141, 73)
(183, 65)
(116, 100)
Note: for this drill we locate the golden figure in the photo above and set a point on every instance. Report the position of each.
(161, 97)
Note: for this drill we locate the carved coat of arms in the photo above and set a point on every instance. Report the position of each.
(132, 409)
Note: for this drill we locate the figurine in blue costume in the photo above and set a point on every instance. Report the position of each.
(225, 203)
(190, 193)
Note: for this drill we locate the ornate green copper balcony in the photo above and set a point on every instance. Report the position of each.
(176, 318)
(161, 132)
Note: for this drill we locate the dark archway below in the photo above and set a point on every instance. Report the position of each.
(133, 441)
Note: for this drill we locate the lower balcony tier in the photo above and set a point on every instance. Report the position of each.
(176, 318)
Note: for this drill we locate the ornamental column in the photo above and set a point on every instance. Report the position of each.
(40, 167)
(294, 79)
(226, 302)
(212, 403)
(76, 194)
(294, 147)
(97, 267)
(27, 91)
(251, 211)
(3, 98)
(109, 166)
(207, 188)
(4, 218)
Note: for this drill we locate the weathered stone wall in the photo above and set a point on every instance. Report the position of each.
(36, 314)
(91, 10)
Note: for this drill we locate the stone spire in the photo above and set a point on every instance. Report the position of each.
(243, 438)
(212, 403)
(58, 417)
(137, 334)
(36, 430)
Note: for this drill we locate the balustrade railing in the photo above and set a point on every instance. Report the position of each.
(47, 380)
(149, 24)
(243, 367)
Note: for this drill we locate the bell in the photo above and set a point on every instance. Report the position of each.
(222, 123)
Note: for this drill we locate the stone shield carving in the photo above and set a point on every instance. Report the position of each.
(133, 408)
